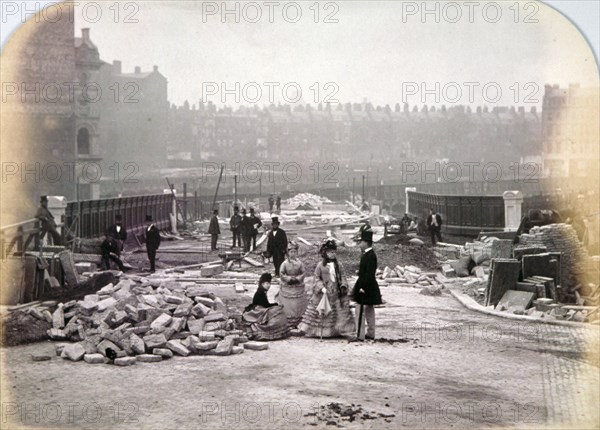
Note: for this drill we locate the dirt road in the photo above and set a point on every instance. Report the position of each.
(444, 367)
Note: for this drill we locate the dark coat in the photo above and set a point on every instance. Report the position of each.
(235, 221)
(438, 219)
(254, 221)
(213, 226)
(245, 226)
(366, 281)
(152, 237)
(110, 245)
(260, 299)
(277, 244)
(121, 235)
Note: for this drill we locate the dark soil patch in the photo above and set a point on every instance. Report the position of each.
(20, 327)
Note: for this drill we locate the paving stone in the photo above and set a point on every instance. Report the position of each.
(256, 346)
(514, 300)
(224, 347)
(205, 301)
(237, 350)
(200, 310)
(155, 341)
(73, 352)
(148, 358)
(211, 270)
(58, 317)
(106, 303)
(132, 312)
(205, 346)
(178, 348)
(220, 306)
(120, 317)
(56, 334)
(177, 324)
(40, 357)
(141, 329)
(137, 344)
(206, 336)
(102, 346)
(163, 352)
(214, 326)
(184, 310)
(126, 361)
(195, 326)
(94, 358)
(162, 321)
(88, 306)
(214, 317)
(169, 298)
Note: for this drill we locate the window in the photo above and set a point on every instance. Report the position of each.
(83, 141)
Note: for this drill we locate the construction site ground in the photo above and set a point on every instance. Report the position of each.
(434, 364)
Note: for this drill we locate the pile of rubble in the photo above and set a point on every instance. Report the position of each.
(146, 320)
(306, 201)
(432, 283)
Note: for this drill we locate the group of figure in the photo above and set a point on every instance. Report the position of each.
(327, 312)
(274, 201)
(244, 228)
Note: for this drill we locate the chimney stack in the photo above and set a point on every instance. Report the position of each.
(85, 34)
(138, 70)
(117, 67)
(155, 68)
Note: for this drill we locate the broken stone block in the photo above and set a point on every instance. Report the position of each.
(137, 344)
(58, 317)
(219, 306)
(120, 317)
(106, 303)
(177, 324)
(94, 358)
(224, 347)
(184, 310)
(73, 352)
(148, 358)
(141, 329)
(126, 361)
(173, 299)
(200, 310)
(88, 307)
(47, 316)
(448, 271)
(36, 313)
(206, 301)
(211, 270)
(178, 348)
(215, 316)
(237, 350)
(107, 289)
(150, 300)
(163, 352)
(195, 326)
(162, 321)
(214, 326)
(155, 341)
(59, 348)
(56, 334)
(239, 287)
(102, 346)
(256, 346)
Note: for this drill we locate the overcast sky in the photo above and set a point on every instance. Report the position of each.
(379, 51)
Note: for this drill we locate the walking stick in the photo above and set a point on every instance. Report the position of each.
(360, 317)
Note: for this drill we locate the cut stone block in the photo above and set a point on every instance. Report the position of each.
(173, 299)
(215, 316)
(224, 347)
(211, 270)
(208, 302)
(205, 346)
(514, 300)
(56, 334)
(155, 341)
(177, 324)
(239, 287)
(40, 357)
(162, 321)
(237, 350)
(106, 303)
(504, 275)
(256, 346)
(102, 346)
(184, 310)
(206, 336)
(163, 352)
(94, 358)
(73, 352)
(137, 344)
(178, 348)
(148, 358)
(200, 310)
(195, 326)
(58, 317)
(126, 361)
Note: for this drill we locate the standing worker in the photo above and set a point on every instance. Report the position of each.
(47, 220)
(434, 224)
(118, 231)
(152, 241)
(245, 230)
(271, 202)
(255, 223)
(366, 290)
(278, 203)
(234, 225)
(214, 230)
(277, 244)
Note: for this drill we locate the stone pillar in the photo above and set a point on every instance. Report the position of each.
(512, 209)
(406, 190)
(57, 205)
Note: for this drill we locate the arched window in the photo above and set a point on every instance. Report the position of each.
(83, 141)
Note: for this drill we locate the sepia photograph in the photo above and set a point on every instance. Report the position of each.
(300, 214)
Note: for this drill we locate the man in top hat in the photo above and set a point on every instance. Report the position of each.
(245, 230)
(278, 204)
(110, 251)
(214, 230)
(366, 290)
(256, 223)
(118, 232)
(276, 244)
(434, 224)
(271, 202)
(234, 225)
(152, 241)
(47, 221)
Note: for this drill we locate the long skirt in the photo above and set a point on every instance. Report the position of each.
(339, 322)
(265, 323)
(294, 301)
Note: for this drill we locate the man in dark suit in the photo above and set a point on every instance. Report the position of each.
(214, 230)
(234, 225)
(256, 223)
(278, 204)
(434, 224)
(152, 241)
(118, 232)
(48, 225)
(366, 290)
(277, 244)
(110, 251)
(245, 230)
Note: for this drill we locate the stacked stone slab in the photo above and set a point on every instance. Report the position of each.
(146, 321)
(561, 238)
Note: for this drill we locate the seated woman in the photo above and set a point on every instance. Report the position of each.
(291, 293)
(263, 320)
(329, 280)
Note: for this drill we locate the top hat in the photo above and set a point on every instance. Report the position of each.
(215, 211)
(244, 210)
(235, 209)
(118, 217)
(251, 209)
(367, 235)
(275, 220)
(148, 218)
(43, 199)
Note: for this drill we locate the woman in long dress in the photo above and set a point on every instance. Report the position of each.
(261, 319)
(291, 293)
(330, 281)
